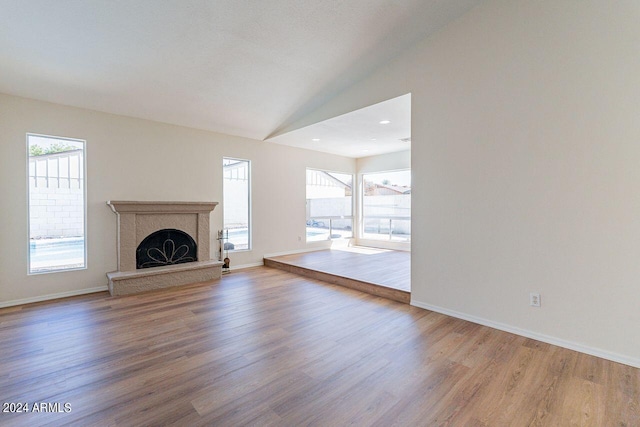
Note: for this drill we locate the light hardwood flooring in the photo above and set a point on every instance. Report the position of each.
(266, 347)
(376, 271)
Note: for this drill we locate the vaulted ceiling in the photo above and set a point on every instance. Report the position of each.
(240, 67)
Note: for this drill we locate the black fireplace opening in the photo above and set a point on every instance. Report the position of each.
(166, 247)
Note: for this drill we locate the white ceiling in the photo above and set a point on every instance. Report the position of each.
(358, 133)
(239, 67)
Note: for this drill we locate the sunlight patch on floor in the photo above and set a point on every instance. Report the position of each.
(361, 250)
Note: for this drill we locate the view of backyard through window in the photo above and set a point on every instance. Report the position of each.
(329, 205)
(236, 186)
(56, 204)
(386, 206)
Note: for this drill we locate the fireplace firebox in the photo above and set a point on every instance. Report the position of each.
(166, 247)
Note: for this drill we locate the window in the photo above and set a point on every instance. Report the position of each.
(57, 207)
(329, 205)
(236, 204)
(386, 206)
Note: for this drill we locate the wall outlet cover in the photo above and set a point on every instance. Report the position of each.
(534, 299)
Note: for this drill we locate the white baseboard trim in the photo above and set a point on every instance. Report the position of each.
(614, 357)
(298, 251)
(41, 298)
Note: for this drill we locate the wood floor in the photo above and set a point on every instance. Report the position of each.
(265, 347)
(379, 272)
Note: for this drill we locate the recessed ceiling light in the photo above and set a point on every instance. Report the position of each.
(365, 151)
(373, 139)
(385, 122)
(316, 139)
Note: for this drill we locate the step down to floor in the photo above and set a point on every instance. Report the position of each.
(370, 288)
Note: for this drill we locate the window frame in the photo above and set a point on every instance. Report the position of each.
(361, 215)
(352, 217)
(249, 204)
(85, 265)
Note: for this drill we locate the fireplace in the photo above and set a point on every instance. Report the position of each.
(162, 244)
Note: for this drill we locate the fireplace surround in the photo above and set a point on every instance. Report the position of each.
(168, 230)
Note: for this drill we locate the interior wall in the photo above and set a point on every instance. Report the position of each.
(384, 162)
(133, 159)
(525, 169)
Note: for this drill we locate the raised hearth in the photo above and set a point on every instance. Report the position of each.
(162, 244)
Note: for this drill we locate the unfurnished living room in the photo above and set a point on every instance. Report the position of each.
(279, 212)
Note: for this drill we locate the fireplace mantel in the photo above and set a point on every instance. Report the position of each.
(119, 206)
(137, 220)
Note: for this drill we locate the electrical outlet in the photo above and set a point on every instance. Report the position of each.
(534, 299)
(299, 238)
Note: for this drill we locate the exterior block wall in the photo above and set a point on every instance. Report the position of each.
(56, 195)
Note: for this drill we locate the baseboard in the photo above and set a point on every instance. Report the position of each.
(41, 298)
(614, 357)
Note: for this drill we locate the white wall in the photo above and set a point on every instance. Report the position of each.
(525, 160)
(384, 162)
(132, 159)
